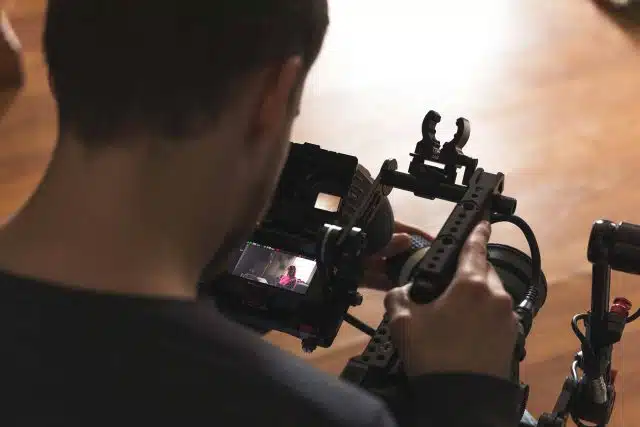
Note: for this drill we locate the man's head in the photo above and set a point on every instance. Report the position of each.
(204, 89)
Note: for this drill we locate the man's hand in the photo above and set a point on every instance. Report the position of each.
(470, 328)
(11, 70)
(375, 276)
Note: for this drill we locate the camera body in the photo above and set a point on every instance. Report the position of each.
(299, 271)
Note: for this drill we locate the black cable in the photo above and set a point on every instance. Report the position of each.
(634, 316)
(534, 249)
(579, 423)
(528, 306)
(576, 329)
(359, 324)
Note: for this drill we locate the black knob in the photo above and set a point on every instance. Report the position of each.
(356, 299)
(400, 267)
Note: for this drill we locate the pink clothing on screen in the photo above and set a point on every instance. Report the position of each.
(287, 280)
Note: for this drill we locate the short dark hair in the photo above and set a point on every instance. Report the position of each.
(163, 66)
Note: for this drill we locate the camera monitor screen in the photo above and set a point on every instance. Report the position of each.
(274, 267)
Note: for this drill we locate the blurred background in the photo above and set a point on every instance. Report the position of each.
(552, 91)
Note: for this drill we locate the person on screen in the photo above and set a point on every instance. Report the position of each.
(289, 280)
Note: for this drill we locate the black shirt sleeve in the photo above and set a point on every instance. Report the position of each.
(465, 400)
(453, 400)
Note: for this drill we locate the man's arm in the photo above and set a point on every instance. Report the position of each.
(466, 400)
(451, 400)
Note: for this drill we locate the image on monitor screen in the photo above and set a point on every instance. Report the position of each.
(274, 267)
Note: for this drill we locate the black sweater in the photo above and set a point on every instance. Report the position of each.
(79, 358)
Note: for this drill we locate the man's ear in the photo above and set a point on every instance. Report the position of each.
(279, 100)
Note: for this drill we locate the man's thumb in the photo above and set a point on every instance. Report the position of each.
(397, 302)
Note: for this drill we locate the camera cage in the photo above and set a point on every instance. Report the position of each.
(295, 224)
(341, 243)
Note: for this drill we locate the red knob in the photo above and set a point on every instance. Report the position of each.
(621, 306)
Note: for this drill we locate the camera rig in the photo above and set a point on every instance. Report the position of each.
(339, 239)
(587, 398)
(478, 197)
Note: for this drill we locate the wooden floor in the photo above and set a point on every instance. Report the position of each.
(552, 90)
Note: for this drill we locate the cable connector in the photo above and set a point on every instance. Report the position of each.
(617, 319)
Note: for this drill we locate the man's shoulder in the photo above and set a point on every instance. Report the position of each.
(224, 367)
(186, 354)
(271, 378)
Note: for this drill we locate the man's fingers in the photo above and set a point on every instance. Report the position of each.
(374, 263)
(401, 227)
(377, 281)
(399, 243)
(375, 267)
(472, 261)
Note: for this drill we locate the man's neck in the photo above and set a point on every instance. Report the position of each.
(101, 227)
